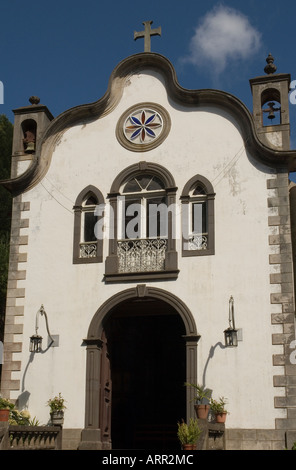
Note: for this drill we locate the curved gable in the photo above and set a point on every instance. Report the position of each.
(186, 98)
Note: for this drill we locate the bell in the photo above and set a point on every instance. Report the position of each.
(271, 114)
(271, 110)
(30, 148)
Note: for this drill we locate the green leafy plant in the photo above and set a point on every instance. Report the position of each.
(57, 403)
(203, 395)
(34, 422)
(188, 433)
(218, 406)
(20, 418)
(294, 446)
(6, 404)
(6, 136)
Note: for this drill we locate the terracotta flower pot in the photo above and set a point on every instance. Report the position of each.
(189, 447)
(202, 411)
(221, 417)
(4, 415)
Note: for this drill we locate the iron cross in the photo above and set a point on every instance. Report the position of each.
(146, 34)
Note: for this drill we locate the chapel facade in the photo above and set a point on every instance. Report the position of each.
(152, 246)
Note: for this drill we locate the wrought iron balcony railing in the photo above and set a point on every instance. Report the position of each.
(198, 242)
(141, 255)
(88, 250)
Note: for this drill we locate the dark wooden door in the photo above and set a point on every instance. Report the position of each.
(148, 366)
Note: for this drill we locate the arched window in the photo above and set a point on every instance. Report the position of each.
(89, 219)
(198, 217)
(143, 246)
(87, 247)
(141, 208)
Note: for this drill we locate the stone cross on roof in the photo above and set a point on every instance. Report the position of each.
(146, 34)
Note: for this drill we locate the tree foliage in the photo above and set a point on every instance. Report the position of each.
(6, 133)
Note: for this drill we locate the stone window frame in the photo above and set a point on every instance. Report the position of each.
(186, 202)
(171, 271)
(78, 212)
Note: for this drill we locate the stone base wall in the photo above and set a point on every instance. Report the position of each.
(255, 439)
(233, 439)
(71, 439)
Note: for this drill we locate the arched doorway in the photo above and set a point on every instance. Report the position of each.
(143, 339)
(147, 353)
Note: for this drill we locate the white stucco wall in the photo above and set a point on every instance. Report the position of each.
(201, 141)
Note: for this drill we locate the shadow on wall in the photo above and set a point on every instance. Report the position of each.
(210, 356)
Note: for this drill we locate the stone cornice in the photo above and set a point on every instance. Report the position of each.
(128, 67)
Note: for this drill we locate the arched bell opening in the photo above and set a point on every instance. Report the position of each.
(29, 128)
(271, 107)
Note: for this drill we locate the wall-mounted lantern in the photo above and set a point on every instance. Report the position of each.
(230, 334)
(36, 340)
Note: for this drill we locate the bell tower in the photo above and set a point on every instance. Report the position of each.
(30, 122)
(271, 106)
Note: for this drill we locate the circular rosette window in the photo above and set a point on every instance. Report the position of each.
(143, 127)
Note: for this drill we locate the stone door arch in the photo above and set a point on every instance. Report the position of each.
(92, 434)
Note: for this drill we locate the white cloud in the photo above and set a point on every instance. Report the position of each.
(222, 36)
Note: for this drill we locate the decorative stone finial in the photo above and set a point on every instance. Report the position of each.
(270, 67)
(34, 100)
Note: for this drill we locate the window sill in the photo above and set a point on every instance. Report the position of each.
(187, 253)
(140, 276)
(87, 260)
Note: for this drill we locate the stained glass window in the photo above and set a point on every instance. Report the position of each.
(143, 126)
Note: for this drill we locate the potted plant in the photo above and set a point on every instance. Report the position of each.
(188, 434)
(57, 406)
(22, 418)
(5, 407)
(203, 397)
(219, 410)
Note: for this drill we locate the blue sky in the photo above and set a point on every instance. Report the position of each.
(64, 51)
